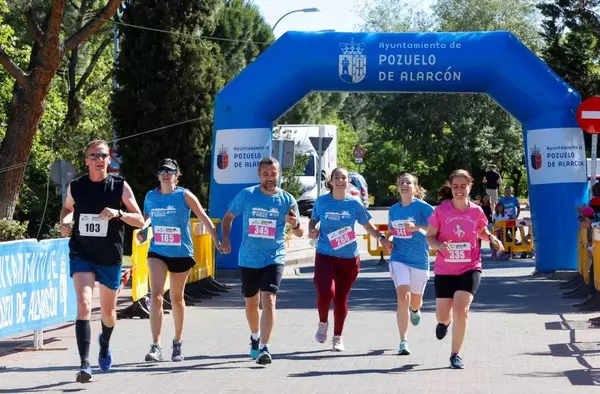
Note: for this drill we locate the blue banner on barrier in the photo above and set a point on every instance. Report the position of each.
(36, 290)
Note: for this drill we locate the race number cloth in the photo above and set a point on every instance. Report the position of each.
(336, 228)
(342, 237)
(459, 228)
(90, 225)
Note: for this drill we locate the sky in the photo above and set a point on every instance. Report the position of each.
(339, 15)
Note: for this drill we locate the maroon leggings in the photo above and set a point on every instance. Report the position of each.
(334, 277)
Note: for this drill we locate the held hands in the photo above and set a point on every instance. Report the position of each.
(225, 246)
(142, 235)
(313, 234)
(65, 230)
(387, 245)
(108, 214)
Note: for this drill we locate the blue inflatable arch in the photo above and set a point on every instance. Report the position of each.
(494, 63)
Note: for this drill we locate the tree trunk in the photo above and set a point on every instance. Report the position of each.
(27, 108)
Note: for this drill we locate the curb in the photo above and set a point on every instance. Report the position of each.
(558, 275)
(292, 268)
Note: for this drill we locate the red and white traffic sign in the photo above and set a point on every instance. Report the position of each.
(588, 115)
(359, 152)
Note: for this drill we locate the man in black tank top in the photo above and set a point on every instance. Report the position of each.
(92, 216)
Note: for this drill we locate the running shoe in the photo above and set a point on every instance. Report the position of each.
(403, 349)
(441, 330)
(456, 362)
(264, 357)
(104, 356)
(85, 373)
(321, 335)
(254, 348)
(415, 317)
(177, 355)
(155, 353)
(338, 344)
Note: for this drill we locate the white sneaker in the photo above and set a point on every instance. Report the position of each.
(338, 344)
(321, 335)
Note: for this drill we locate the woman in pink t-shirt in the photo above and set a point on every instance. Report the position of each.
(454, 229)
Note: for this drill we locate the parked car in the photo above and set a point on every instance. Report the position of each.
(359, 182)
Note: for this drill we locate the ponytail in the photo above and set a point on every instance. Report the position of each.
(445, 193)
(420, 192)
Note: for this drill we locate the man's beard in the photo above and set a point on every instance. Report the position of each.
(269, 186)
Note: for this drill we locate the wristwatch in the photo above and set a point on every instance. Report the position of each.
(120, 214)
(297, 226)
(382, 236)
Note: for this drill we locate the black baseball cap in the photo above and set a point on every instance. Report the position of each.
(169, 164)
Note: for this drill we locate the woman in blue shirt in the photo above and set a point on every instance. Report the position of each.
(337, 259)
(409, 261)
(171, 249)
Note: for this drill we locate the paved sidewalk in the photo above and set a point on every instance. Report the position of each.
(522, 337)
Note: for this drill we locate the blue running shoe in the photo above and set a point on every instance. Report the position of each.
(254, 348)
(105, 356)
(85, 373)
(403, 349)
(264, 357)
(456, 362)
(415, 317)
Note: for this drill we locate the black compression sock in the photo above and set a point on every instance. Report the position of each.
(83, 335)
(106, 334)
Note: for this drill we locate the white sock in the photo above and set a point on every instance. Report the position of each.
(256, 335)
(262, 346)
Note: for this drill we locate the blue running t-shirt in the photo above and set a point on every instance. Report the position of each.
(263, 238)
(170, 217)
(510, 206)
(336, 231)
(410, 248)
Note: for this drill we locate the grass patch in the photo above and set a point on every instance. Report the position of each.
(126, 261)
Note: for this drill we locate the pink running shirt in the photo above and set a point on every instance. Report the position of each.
(459, 228)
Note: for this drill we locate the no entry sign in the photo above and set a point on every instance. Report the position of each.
(588, 115)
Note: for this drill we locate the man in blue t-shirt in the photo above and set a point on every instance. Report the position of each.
(511, 204)
(265, 210)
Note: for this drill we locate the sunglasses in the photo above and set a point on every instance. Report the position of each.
(164, 171)
(95, 156)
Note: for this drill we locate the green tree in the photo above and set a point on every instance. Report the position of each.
(166, 79)
(33, 81)
(243, 34)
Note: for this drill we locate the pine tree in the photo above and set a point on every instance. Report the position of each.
(166, 79)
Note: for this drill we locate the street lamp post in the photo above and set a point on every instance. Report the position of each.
(291, 12)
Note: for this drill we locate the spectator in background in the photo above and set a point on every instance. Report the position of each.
(511, 204)
(492, 181)
(486, 205)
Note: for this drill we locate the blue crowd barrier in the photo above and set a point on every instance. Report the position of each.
(36, 290)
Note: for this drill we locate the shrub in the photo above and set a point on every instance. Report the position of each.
(12, 230)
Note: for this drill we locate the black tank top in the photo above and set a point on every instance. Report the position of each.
(91, 198)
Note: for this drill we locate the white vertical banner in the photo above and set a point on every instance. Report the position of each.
(556, 156)
(237, 154)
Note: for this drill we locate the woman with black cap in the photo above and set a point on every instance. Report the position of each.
(171, 249)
